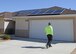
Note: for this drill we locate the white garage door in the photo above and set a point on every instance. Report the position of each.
(63, 29)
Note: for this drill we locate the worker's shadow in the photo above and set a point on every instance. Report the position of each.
(33, 47)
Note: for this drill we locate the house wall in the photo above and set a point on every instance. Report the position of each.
(74, 29)
(22, 25)
(1, 25)
(21, 28)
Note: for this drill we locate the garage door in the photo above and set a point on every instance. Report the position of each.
(63, 29)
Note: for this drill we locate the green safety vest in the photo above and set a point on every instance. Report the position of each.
(48, 30)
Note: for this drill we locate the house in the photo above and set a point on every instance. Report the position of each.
(7, 24)
(1, 23)
(31, 23)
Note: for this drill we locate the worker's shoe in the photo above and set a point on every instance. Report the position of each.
(50, 46)
(47, 46)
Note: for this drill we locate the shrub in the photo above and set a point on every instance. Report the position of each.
(1, 35)
(6, 37)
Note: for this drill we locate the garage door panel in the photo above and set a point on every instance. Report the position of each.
(36, 30)
(63, 29)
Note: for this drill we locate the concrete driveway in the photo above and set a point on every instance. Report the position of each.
(35, 46)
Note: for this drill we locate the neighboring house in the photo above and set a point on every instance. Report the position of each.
(1, 24)
(7, 24)
(31, 23)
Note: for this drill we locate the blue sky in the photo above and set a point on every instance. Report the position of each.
(17, 5)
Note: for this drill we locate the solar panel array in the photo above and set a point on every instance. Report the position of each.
(40, 12)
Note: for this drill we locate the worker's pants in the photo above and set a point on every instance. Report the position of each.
(49, 37)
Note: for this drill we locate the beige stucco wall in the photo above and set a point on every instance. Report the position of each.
(1, 25)
(21, 27)
(74, 29)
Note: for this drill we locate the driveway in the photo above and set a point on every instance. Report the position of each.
(35, 46)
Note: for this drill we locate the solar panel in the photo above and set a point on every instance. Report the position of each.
(49, 11)
(24, 12)
(35, 12)
(42, 11)
(58, 11)
(29, 11)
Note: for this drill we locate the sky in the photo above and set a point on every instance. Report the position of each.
(17, 5)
